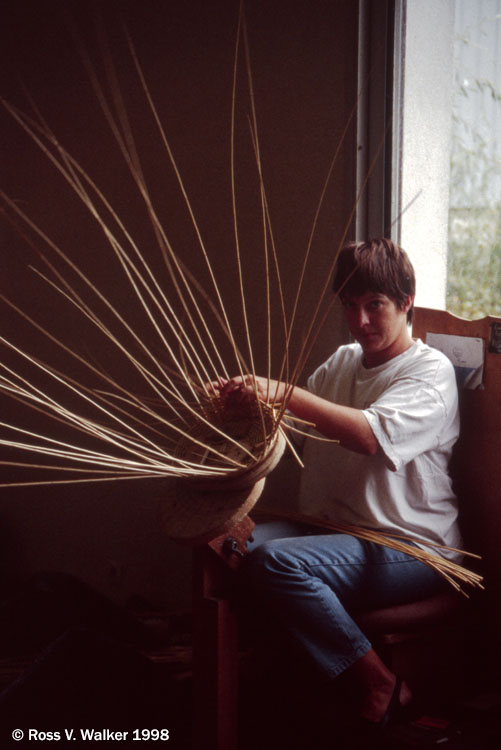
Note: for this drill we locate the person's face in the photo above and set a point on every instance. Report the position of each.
(379, 325)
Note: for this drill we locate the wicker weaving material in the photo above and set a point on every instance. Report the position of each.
(196, 511)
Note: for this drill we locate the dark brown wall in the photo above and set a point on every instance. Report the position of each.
(304, 67)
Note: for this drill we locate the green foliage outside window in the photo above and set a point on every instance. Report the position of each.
(474, 253)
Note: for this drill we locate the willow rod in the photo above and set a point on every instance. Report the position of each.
(452, 572)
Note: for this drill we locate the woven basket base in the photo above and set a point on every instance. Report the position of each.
(194, 517)
(195, 512)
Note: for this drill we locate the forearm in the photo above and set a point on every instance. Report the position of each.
(336, 422)
(331, 420)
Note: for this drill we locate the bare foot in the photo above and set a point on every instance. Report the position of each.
(377, 687)
(376, 702)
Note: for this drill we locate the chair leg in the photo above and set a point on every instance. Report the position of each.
(215, 676)
(215, 654)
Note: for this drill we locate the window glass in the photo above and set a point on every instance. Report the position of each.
(421, 153)
(474, 252)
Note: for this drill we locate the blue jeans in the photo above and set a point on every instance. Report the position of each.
(313, 583)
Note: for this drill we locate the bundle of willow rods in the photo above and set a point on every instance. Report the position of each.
(453, 573)
(121, 431)
(175, 425)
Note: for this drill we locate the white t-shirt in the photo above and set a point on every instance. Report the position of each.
(411, 404)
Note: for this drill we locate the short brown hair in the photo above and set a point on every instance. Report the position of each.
(375, 266)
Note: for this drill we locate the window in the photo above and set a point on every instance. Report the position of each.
(446, 183)
(474, 258)
(423, 133)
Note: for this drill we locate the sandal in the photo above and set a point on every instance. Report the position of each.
(394, 705)
(375, 729)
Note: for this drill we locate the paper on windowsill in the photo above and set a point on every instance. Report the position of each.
(466, 354)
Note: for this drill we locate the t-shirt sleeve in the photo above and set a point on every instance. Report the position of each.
(408, 419)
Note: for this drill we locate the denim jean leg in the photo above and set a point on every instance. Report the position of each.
(312, 582)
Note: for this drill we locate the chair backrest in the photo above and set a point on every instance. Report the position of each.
(476, 467)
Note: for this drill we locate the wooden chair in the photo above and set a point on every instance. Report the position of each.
(425, 641)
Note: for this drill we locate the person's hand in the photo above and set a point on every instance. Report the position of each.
(249, 387)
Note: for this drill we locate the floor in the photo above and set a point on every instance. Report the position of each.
(447, 726)
(277, 711)
(298, 717)
(78, 675)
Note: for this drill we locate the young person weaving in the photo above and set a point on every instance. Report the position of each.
(391, 402)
